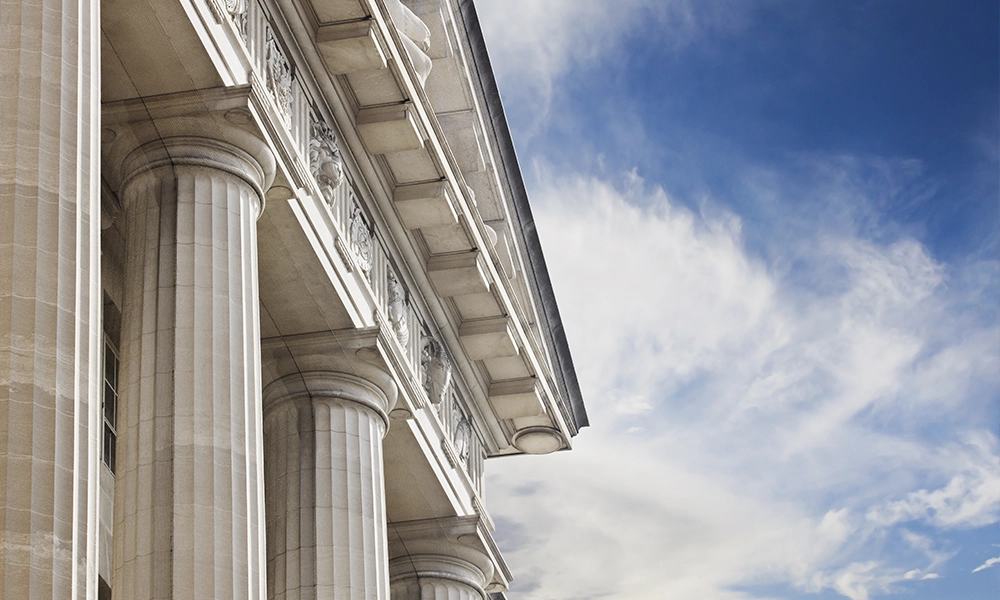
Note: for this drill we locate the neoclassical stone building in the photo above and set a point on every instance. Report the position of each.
(270, 296)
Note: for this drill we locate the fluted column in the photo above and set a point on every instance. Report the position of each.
(189, 494)
(439, 559)
(325, 496)
(50, 298)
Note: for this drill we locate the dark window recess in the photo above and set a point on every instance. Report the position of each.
(103, 589)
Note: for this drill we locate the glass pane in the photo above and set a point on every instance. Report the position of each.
(109, 403)
(106, 450)
(108, 454)
(111, 454)
(109, 366)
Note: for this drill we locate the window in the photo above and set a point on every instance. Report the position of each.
(110, 402)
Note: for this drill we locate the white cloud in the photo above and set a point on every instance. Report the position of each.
(986, 565)
(749, 428)
(916, 574)
(679, 294)
(633, 525)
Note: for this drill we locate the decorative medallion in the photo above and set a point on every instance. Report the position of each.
(325, 162)
(361, 239)
(437, 370)
(279, 76)
(397, 308)
(462, 438)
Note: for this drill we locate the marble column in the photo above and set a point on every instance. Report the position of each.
(50, 298)
(325, 496)
(189, 491)
(439, 559)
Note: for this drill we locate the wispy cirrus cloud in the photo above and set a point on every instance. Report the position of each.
(986, 565)
(539, 42)
(751, 427)
(970, 498)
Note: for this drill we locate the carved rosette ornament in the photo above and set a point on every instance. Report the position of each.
(279, 76)
(437, 370)
(325, 162)
(397, 308)
(361, 239)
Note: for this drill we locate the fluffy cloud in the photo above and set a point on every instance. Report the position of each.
(751, 427)
(677, 290)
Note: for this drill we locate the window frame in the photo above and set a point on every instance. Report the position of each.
(109, 430)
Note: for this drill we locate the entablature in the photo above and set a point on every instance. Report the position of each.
(415, 164)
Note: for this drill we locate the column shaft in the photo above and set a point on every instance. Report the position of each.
(325, 491)
(189, 491)
(50, 298)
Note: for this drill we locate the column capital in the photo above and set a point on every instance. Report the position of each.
(454, 550)
(444, 568)
(213, 128)
(151, 158)
(332, 364)
(339, 385)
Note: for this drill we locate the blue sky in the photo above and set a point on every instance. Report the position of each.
(774, 231)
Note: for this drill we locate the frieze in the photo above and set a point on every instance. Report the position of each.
(344, 254)
(448, 453)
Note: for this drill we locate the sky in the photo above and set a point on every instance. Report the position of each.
(773, 229)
